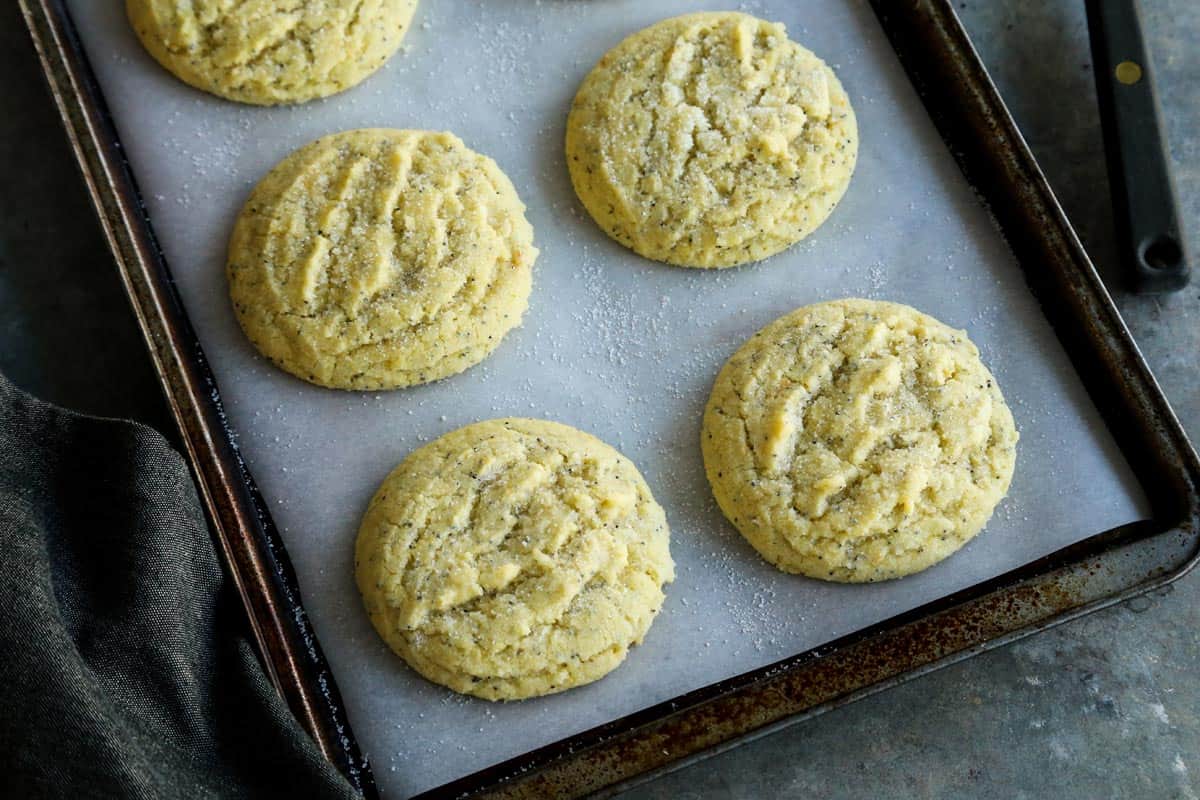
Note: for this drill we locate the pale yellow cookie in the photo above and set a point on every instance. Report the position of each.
(513, 558)
(857, 440)
(271, 51)
(374, 259)
(710, 140)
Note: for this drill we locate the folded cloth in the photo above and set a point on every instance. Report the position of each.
(126, 669)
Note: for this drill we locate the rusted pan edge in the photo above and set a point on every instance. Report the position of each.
(972, 119)
(247, 537)
(660, 739)
(969, 113)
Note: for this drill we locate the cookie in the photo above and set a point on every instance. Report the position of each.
(513, 558)
(271, 51)
(710, 140)
(375, 259)
(857, 440)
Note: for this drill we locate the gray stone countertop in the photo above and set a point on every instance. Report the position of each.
(1103, 707)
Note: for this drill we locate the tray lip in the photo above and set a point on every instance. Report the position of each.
(175, 351)
(247, 539)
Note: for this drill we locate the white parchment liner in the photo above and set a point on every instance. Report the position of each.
(613, 344)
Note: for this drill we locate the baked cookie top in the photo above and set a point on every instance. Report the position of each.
(374, 259)
(857, 440)
(271, 51)
(513, 558)
(710, 140)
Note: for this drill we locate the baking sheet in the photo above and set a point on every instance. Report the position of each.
(616, 345)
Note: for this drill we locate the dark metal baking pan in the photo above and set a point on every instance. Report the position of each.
(977, 128)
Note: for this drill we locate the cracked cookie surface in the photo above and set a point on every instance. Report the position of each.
(513, 558)
(375, 259)
(857, 440)
(710, 140)
(266, 52)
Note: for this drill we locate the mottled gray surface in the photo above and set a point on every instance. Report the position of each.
(1108, 706)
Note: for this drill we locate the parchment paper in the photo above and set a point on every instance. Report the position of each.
(614, 344)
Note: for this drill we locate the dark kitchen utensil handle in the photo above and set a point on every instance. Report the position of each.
(1149, 236)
